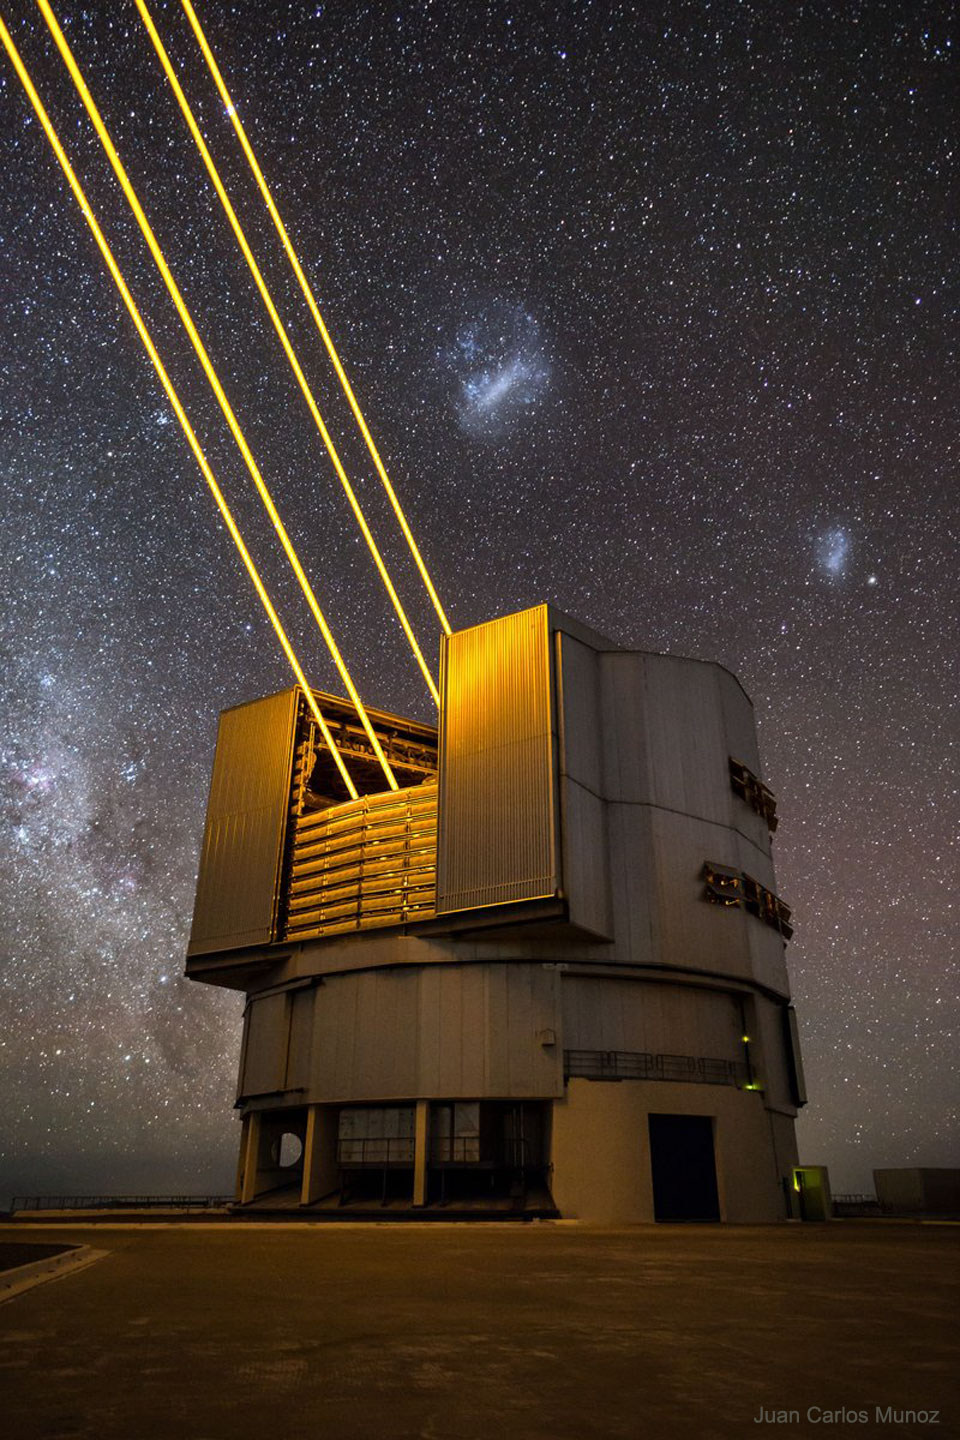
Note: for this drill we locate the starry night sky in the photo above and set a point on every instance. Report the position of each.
(652, 312)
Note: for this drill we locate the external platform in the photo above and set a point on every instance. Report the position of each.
(548, 1331)
(537, 1205)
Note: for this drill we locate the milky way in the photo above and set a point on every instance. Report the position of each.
(652, 311)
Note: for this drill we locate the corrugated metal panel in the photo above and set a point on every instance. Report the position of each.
(794, 1058)
(365, 863)
(497, 809)
(446, 1031)
(265, 1049)
(582, 810)
(625, 761)
(246, 818)
(301, 1039)
(582, 726)
(637, 922)
(632, 1015)
(772, 1054)
(585, 867)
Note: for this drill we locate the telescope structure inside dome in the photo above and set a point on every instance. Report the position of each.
(545, 976)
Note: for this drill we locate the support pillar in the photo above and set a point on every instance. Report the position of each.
(241, 1157)
(251, 1157)
(421, 1137)
(319, 1154)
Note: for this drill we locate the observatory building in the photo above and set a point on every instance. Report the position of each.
(545, 975)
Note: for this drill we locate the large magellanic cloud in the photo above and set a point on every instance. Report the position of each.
(501, 370)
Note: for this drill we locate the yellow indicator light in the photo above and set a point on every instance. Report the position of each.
(313, 307)
(284, 341)
(215, 385)
(745, 1039)
(172, 396)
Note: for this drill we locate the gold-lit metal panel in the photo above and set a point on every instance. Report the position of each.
(366, 863)
(246, 823)
(497, 834)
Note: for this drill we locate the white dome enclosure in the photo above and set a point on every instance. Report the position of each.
(544, 976)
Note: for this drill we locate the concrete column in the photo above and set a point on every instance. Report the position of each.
(420, 1142)
(319, 1154)
(251, 1157)
(311, 1157)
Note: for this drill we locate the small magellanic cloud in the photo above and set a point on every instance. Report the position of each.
(833, 552)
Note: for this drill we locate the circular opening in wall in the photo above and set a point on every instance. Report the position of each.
(287, 1150)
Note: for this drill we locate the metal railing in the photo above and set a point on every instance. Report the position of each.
(120, 1202)
(642, 1065)
(852, 1206)
(455, 1150)
(508, 1153)
(446, 1154)
(375, 1152)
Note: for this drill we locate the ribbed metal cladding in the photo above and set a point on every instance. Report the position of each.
(497, 839)
(246, 822)
(362, 864)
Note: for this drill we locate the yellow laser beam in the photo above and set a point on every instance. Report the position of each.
(313, 307)
(224, 403)
(284, 340)
(172, 396)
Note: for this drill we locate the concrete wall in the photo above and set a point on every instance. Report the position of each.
(601, 1150)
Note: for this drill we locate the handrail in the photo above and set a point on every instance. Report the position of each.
(644, 1065)
(110, 1202)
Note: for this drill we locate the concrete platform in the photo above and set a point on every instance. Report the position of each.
(544, 1331)
(536, 1205)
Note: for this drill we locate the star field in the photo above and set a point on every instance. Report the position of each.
(652, 311)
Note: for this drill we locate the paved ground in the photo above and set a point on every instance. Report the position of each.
(542, 1332)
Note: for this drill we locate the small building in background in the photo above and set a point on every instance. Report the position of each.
(547, 975)
(918, 1191)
